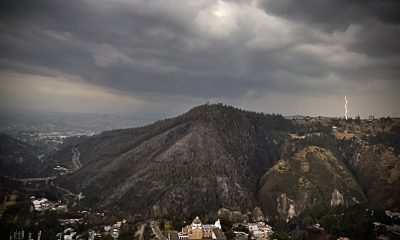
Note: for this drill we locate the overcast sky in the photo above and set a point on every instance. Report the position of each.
(163, 57)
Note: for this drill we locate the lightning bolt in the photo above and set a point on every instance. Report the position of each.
(345, 108)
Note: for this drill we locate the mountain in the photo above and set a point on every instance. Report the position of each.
(213, 156)
(378, 171)
(312, 179)
(217, 156)
(17, 159)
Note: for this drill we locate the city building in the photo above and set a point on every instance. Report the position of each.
(197, 231)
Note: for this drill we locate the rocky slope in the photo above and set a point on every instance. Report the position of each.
(378, 170)
(217, 156)
(312, 179)
(211, 157)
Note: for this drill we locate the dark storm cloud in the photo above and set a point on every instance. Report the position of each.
(66, 37)
(205, 49)
(335, 13)
(379, 19)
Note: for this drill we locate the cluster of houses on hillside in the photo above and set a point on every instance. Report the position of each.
(69, 234)
(114, 230)
(61, 170)
(69, 231)
(199, 231)
(43, 204)
(109, 230)
(260, 230)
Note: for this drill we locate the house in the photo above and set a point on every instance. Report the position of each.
(41, 204)
(260, 230)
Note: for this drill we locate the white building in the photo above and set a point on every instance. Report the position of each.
(260, 230)
(197, 230)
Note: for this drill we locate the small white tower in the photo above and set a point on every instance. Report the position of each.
(217, 224)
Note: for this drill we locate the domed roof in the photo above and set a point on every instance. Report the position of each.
(196, 221)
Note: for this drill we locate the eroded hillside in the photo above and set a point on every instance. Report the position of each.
(312, 179)
(211, 157)
(218, 156)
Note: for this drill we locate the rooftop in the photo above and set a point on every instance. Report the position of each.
(196, 220)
